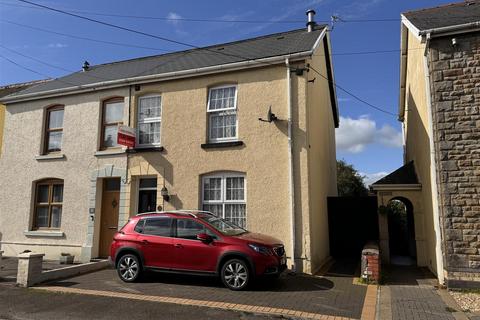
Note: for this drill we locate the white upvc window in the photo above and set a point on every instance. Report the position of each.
(222, 114)
(149, 121)
(224, 194)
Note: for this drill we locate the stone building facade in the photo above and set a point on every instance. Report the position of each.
(439, 107)
(455, 96)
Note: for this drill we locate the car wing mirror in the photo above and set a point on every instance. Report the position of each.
(204, 237)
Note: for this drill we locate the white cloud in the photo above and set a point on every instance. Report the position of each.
(57, 45)
(354, 135)
(174, 18)
(176, 22)
(369, 178)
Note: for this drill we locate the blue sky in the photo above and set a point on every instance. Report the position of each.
(367, 138)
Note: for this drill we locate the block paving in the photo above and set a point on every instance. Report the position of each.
(332, 296)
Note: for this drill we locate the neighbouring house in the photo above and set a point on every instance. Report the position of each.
(6, 90)
(440, 112)
(67, 185)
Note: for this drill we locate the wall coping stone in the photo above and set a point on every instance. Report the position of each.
(38, 233)
(29, 255)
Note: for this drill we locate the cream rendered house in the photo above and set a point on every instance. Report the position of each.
(6, 90)
(67, 186)
(439, 109)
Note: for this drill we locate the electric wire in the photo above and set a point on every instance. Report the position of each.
(203, 20)
(81, 37)
(352, 94)
(196, 47)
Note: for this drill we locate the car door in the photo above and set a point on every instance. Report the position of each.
(155, 237)
(192, 254)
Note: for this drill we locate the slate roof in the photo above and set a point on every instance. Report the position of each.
(403, 175)
(272, 45)
(445, 16)
(12, 88)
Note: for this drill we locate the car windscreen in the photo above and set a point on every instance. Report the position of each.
(223, 226)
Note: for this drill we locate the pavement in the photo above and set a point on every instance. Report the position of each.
(28, 304)
(333, 294)
(412, 293)
(409, 293)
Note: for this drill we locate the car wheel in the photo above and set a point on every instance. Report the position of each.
(129, 268)
(235, 274)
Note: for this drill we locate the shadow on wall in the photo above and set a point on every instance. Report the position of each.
(418, 149)
(155, 160)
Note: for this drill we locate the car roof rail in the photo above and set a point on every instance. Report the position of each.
(198, 211)
(185, 212)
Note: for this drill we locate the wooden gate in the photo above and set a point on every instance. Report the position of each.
(352, 222)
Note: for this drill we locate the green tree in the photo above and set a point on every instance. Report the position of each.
(349, 181)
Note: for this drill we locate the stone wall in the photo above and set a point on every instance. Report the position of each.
(455, 93)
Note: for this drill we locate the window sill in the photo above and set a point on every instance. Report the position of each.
(44, 233)
(50, 156)
(226, 144)
(110, 152)
(145, 149)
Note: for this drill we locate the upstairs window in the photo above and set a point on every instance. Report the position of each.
(149, 120)
(222, 114)
(54, 129)
(112, 118)
(48, 204)
(224, 196)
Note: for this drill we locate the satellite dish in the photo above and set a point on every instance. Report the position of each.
(270, 116)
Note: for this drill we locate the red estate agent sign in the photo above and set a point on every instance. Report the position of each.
(126, 136)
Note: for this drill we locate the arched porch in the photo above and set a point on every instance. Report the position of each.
(401, 217)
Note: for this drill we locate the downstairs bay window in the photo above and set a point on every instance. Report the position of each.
(224, 195)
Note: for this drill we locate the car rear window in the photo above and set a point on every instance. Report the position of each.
(139, 227)
(161, 226)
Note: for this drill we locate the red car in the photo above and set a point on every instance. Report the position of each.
(195, 242)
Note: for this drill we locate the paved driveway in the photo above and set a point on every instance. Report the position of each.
(410, 294)
(333, 294)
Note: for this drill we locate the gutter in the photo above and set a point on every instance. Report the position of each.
(450, 29)
(290, 164)
(433, 172)
(158, 77)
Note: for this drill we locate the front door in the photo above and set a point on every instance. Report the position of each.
(109, 216)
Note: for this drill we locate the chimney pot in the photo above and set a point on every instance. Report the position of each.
(310, 22)
(86, 66)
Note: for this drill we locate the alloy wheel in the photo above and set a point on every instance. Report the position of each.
(235, 274)
(128, 268)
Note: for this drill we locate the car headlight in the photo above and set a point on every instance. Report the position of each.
(260, 249)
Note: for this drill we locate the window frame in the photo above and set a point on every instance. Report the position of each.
(223, 201)
(210, 112)
(110, 124)
(47, 129)
(149, 120)
(50, 183)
